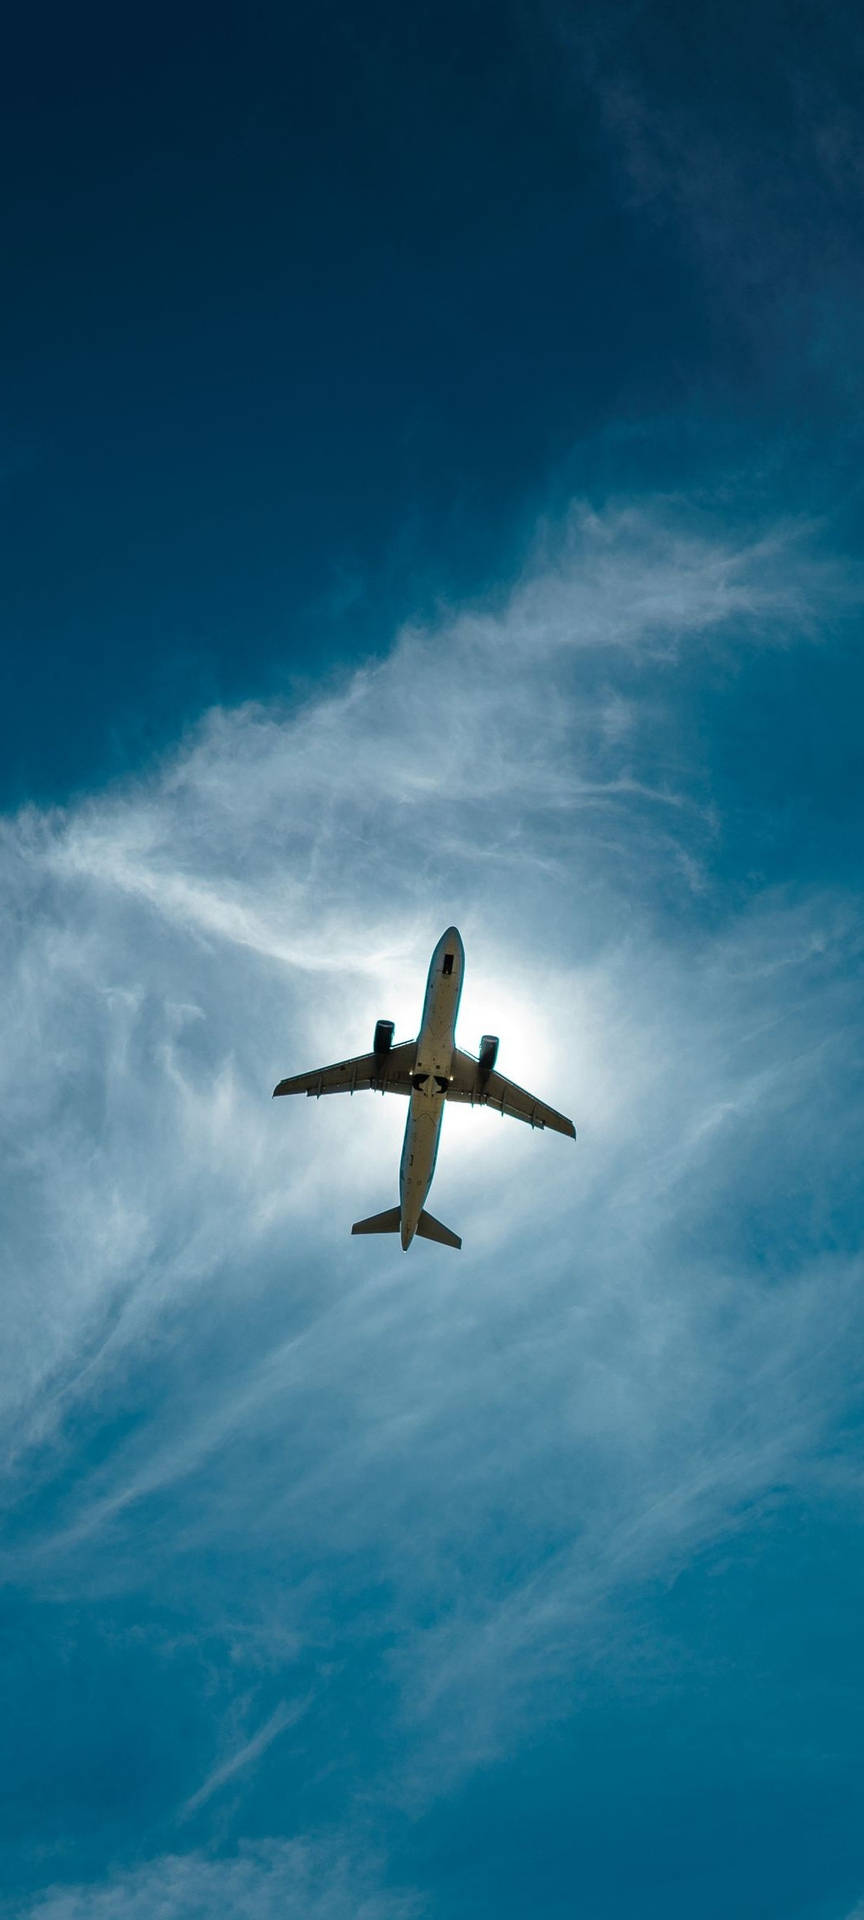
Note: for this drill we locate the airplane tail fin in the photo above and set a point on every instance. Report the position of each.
(430, 1229)
(388, 1222)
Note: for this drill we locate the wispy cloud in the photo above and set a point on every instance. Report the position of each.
(139, 1050)
(752, 163)
(642, 1340)
(283, 1716)
(313, 843)
(271, 1881)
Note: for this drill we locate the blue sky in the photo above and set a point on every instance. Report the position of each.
(432, 493)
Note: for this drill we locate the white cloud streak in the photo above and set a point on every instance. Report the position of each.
(316, 843)
(271, 1881)
(244, 1756)
(644, 1336)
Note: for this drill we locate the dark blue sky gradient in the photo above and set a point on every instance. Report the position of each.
(308, 315)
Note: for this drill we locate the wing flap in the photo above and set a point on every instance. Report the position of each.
(382, 1072)
(477, 1089)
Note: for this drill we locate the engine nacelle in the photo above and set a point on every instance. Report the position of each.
(383, 1040)
(488, 1052)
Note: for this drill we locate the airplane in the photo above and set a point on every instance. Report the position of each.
(430, 1070)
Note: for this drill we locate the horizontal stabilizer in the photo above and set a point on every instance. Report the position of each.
(430, 1229)
(388, 1222)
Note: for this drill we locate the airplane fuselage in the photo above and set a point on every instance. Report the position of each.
(430, 1080)
(431, 1070)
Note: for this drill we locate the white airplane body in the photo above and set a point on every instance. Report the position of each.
(430, 1070)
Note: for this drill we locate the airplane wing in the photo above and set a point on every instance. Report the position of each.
(386, 1072)
(479, 1089)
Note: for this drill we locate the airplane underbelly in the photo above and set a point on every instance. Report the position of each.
(420, 1150)
(433, 1067)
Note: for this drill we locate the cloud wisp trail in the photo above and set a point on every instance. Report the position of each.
(464, 1489)
(285, 1715)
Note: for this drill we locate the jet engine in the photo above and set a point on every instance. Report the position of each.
(488, 1052)
(383, 1040)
